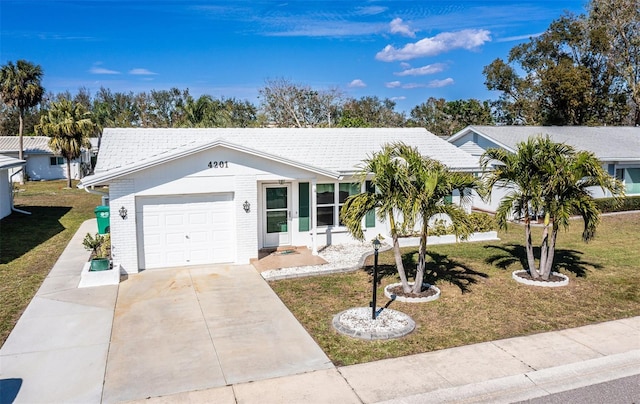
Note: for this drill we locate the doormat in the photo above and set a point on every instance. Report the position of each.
(286, 252)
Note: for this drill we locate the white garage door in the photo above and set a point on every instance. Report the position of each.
(185, 230)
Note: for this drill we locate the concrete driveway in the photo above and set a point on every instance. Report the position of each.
(185, 329)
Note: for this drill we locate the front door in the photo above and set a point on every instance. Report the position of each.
(277, 217)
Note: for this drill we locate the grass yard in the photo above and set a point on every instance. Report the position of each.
(480, 302)
(31, 244)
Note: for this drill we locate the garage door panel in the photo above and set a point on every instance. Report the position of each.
(186, 230)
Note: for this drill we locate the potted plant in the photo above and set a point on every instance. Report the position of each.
(99, 247)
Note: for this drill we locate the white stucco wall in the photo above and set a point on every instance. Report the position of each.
(5, 194)
(39, 167)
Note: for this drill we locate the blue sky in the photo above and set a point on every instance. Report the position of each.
(407, 51)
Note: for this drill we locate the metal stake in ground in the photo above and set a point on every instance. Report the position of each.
(374, 281)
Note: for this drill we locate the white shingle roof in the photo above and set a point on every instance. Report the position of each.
(608, 143)
(10, 162)
(337, 150)
(31, 144)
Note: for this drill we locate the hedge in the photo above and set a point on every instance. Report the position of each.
(612, 205)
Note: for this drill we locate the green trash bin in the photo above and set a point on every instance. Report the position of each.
(102, 215)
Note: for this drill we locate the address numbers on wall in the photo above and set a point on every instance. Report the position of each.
(218, 164)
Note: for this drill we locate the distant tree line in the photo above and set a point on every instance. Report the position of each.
(583, 70)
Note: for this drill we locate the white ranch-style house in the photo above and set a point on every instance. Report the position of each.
(200, 196)
(618, 148)
(42, 162)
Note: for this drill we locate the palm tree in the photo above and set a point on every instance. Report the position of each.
(389, 178)
(69, 125)
(20, 88)
(552, 179)
(430, 183)
(412, 187)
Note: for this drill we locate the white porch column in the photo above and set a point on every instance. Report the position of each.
(314, 219)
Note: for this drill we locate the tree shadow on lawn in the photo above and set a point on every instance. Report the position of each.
(440, 268)
(568, 260)
(20, 233)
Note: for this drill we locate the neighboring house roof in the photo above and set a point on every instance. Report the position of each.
(330, 152)
(608, 143)
(31, 144)
(7, 162)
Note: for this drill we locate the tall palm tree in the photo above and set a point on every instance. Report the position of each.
(411, 187)
(20, 88)
(430, 183)
(69, 125)
(389, 178)
(552, 179)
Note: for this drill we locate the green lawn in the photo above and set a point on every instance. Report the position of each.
(480, 302)
(31, 244)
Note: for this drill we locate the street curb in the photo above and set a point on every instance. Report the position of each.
(535, 384)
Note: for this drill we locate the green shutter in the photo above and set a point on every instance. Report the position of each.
(303, 206)
(448, 200)
(370, 218)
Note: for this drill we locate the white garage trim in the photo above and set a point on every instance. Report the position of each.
(180, 230)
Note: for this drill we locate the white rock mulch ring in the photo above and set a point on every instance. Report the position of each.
(433, 296)
(357, 322)
(546, 284)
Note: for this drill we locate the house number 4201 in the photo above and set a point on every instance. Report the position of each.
(218, 164)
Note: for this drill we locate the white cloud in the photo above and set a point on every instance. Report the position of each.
(96, 69)
(440, 83)
(141, 72)
(357, 83)
(400, 98)
(371, 10)
(422, 71)
(398, 27)
(393, 84)
(519, 37)
(410, 86)
(443, 42)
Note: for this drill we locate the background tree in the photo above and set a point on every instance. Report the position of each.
(568, 78)
(552, 179)
(69, 126)
(618, 23)
(445, 118)
(287, 105)
(370, 112)
(21, 90)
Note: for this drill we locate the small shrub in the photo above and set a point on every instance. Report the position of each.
(98, 245)
(482, 222)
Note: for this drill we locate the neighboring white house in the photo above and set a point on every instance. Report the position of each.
(199, 196)
(618, 148)
(42, 162)
(6, 192)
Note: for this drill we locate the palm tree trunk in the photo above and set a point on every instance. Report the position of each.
(398, 255)
(68, 172)
(546, 270)
(21, 144)
(422, 257)
(544, 248)
(529, 247)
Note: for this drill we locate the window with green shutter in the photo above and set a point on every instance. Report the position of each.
(303, 207)
(370, 217)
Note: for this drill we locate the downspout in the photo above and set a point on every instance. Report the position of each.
(11, 185)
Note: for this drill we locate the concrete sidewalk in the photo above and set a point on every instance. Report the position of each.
(63, 350)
